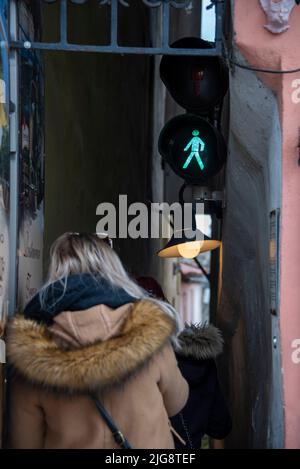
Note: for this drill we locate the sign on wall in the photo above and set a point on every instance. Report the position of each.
(31, 179)
(4, 159)
(4, 195)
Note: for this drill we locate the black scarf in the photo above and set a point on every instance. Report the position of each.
(75, 293)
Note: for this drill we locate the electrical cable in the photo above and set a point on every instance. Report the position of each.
(231, 60)
(263, 70)
(229, 56)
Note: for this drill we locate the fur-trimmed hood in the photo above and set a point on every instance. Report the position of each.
(36, 355)
(200, 342)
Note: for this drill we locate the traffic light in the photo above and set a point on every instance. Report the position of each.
(197, 83)
(194, 149)
(191, 143)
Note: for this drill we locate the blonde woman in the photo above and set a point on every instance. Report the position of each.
(92, 361)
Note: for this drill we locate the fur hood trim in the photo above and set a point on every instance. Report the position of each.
(35, 356)
(200, 342)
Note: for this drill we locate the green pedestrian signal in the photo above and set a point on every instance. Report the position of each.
(197, 145)
(194, 149)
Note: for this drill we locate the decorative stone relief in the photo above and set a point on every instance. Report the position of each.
(278, 13)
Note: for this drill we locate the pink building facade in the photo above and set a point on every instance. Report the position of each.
(272, 156)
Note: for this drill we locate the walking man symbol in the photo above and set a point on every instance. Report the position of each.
(195, 143)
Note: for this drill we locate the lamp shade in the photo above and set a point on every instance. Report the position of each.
(188, 244)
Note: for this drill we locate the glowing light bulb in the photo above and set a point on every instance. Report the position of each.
(191, 249)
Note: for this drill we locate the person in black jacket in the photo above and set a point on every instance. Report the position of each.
(206, 411)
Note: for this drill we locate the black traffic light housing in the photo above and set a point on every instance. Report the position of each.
(194, 149)
(191, 144)
(197, 83)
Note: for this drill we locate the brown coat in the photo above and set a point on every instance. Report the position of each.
(124, 355)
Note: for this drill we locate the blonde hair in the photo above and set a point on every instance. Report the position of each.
(80, 253)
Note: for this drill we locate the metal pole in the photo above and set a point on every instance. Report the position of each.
(219, 8)
(114, 23)
(57, 46)
(165, 25)
(206, 275)
(63, 23)
(14, 158)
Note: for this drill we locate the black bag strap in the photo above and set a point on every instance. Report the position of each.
(116, 433)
